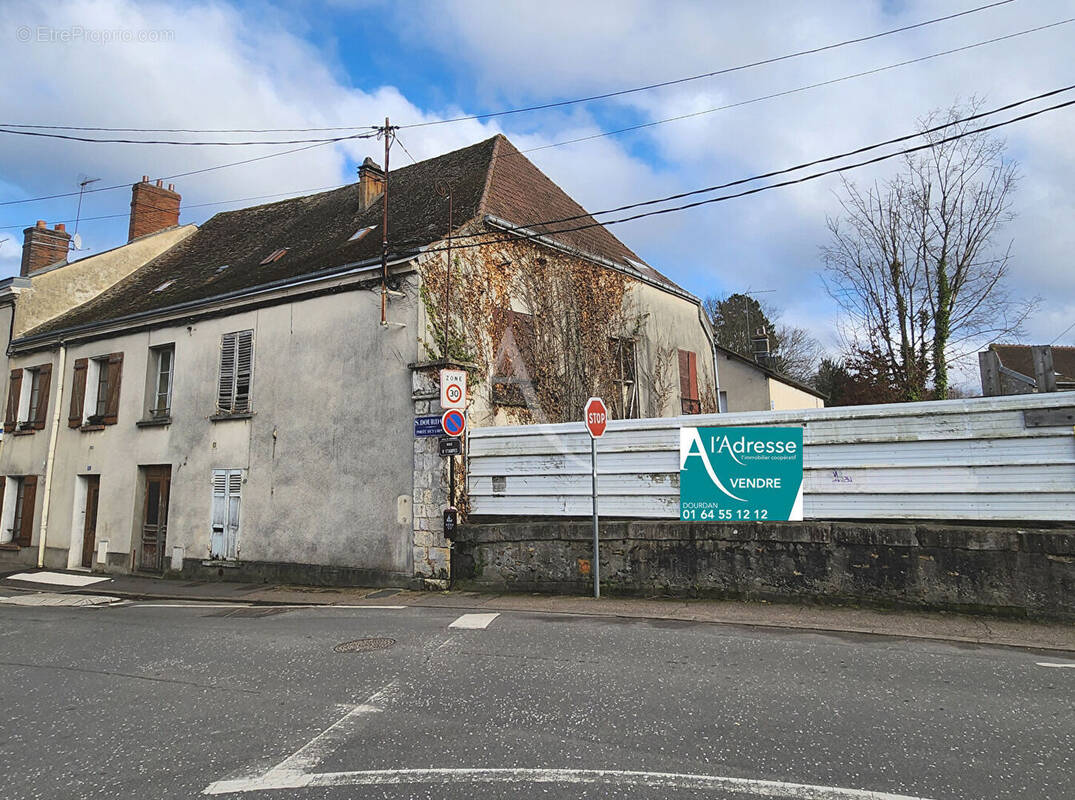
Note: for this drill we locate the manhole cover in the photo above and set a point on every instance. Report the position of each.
(363, 645)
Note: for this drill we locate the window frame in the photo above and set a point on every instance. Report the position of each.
(154, 411)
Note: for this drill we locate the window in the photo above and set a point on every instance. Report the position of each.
(28, 399)
(625, 378)
(722, 401)
(236, 365)
(161, 367)
(95, 391)
(227, 488)
(688, 382)
(21, 494)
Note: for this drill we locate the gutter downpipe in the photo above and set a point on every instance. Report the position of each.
(50, 460)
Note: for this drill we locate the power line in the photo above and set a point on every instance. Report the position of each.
(72, 138)
(168, 177)
(1058, 338)
(757, 190)
(724, 71)
(805, 165)
(795, 90)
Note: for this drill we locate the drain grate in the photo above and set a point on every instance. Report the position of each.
(364, 645)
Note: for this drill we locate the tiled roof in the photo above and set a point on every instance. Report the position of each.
(1017, 357)
(228, 252)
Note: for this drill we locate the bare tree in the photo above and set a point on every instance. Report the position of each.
(916, 260)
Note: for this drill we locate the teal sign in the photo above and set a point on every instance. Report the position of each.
(740, 474)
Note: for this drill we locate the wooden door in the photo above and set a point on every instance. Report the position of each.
(155, 518)
(89, 529)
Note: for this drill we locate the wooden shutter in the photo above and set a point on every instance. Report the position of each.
(226, 386)
(244, 366)
(3, 485)
(24, 535)
(115, 375)
(14, 394)
(78, 393)
(688, 382)
(44, 386)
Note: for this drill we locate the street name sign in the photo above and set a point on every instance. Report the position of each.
(740, 474)
(453, 388)
(428, 426)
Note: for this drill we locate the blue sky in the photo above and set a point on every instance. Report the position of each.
(225, 64)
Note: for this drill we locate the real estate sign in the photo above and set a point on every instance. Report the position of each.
(740, 474)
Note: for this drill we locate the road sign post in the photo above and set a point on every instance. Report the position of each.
(595, 415)
(453, 423)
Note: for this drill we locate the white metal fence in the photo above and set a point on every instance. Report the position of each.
(976, 459)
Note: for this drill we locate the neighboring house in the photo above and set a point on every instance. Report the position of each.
(746, 385)
(1011, 369)
(244, 403)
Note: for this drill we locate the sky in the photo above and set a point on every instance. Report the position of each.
(117, 63)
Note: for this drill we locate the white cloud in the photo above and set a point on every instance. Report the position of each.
(224, 67)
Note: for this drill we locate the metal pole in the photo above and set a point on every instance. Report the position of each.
(384, 227)
(596, 552)
(451, 481)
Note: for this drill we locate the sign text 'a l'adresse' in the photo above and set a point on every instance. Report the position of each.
(740, 474)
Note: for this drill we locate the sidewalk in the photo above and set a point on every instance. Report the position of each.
(979, 630)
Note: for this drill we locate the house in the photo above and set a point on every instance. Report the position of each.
(244, 402)
(746, 385)
(1022, 369)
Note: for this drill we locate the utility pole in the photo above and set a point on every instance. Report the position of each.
(387, 131)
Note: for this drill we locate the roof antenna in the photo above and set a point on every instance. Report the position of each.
(76, 240)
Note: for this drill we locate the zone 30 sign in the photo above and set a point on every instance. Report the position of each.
(740, 474)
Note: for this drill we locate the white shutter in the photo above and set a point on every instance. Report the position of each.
(227, 489)
(226, 385)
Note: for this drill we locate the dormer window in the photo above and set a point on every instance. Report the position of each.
(275, 255)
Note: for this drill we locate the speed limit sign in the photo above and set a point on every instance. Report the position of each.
(453, 388)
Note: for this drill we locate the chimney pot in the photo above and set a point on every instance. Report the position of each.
(41, 223)
(61, 227)
(145, 179)
(153, 208)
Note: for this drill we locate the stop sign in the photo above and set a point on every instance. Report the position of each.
(595, 415)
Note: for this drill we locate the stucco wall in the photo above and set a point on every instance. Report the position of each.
(747, 387)
(788, 398)
(56, 290)
(327, 451)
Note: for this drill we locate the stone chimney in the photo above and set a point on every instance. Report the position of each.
(153, 208)
(370, 183)
(42, 247)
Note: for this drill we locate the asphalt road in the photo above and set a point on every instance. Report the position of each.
(147, 701)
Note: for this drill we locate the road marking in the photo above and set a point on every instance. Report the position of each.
(1054, 664)
(54, 599)
(56, 578)
(627, 778)
(197, 604)
(474, 621)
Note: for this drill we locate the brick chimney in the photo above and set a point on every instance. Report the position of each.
(370, 182)
(153, 208)
(42, 247)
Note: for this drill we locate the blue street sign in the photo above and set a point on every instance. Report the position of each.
(428, 426)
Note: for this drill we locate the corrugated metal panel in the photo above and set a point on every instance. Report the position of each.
(960, 459)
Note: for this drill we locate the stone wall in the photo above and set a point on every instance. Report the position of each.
(1026, 572)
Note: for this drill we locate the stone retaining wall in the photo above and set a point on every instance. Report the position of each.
(1021, 571)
